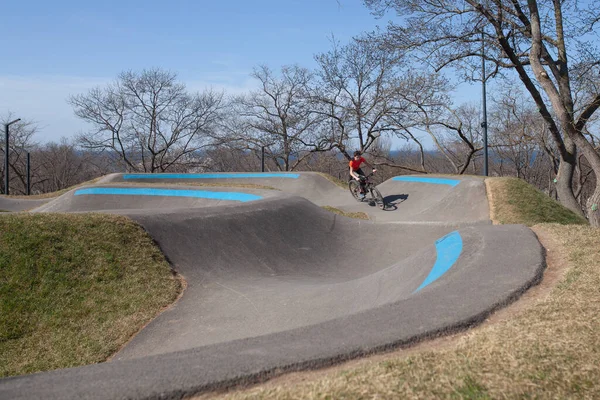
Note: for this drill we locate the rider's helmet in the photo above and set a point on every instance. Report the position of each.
(357, 153)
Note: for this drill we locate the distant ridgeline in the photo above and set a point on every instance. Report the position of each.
(494, 157)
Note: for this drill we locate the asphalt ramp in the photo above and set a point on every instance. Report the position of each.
(17, 204)
(279, 284)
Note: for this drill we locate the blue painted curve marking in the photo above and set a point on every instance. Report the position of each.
(437, 181)
(212, 176)
(448, 249)
(234, 196)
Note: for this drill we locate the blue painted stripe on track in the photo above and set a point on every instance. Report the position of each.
(448, 250)
(211, 176)
(234, 196)
(437, 181)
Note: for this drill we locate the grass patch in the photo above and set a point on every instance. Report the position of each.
(547, 348)
(74, 288)
(356, 215)
(517, 202)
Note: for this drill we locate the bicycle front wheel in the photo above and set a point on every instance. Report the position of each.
(354, 187)
(378, 198)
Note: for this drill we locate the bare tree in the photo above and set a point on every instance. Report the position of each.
(232, 158)
(21, 141)
(456, 133)
(356, 93)
(61, 165)
(518, 135)
(149, 120)
(541, 40)
(423, 97)
(277, 117)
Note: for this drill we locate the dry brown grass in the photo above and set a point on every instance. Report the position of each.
(338, 182)
(356, 215)
(546, 346)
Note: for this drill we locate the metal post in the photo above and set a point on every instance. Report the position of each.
(262, 159)
(6, 190)
(6, 176)
(484, 123)
(28, 174)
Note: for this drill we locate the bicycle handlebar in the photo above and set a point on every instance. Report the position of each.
(367, 176)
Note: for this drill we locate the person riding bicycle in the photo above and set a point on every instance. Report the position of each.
(356, 172)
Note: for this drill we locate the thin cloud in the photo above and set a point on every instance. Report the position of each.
(43, 99)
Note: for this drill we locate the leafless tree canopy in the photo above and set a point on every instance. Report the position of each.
(277, 116)
(358, 95)
(361, 94)
(149, 120)
(549, 44)
(21, 141)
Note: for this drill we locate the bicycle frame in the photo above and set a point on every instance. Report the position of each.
(369, 188)
(368, 182)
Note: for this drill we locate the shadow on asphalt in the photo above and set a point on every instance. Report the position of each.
(395, 199)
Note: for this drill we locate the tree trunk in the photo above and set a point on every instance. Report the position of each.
(562, 104)
(564, 178)
(592, 207)
(593, 159)
(564, 189)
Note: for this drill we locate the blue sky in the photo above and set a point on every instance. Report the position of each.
(218, 40)
(54, 49)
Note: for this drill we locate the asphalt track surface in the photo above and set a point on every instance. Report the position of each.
(16, 205)
(276, 283)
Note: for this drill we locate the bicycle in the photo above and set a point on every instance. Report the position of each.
(369, 188)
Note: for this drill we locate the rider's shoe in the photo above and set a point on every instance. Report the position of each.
(361, 195)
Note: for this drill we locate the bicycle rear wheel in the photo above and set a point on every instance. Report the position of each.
(354, 187)
(378, 198)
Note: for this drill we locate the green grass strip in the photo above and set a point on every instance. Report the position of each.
(74, 288)
(517, 202)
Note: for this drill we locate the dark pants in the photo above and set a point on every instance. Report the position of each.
(362, 183)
